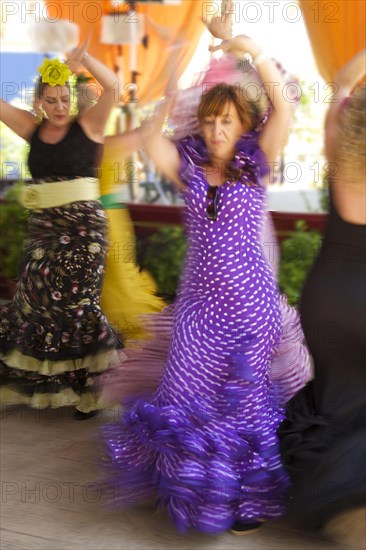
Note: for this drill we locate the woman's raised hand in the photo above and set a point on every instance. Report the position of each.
(239, 45)
(75, 58)
(220, 26)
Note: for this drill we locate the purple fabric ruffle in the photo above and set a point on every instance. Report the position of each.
(249, 157)
(198, 464)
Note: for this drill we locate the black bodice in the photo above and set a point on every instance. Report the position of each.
(74, 156)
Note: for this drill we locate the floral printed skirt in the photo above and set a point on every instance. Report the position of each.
(54, 337)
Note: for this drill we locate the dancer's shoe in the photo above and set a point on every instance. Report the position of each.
(79, 415)
(240, 529)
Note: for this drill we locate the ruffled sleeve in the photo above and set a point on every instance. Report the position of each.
(251, 158)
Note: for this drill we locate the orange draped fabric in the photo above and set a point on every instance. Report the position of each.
(183, 20)
(336, 30)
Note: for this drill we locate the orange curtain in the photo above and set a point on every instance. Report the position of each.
(183, 20)
(336, 30)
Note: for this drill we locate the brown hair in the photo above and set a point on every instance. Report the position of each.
(215, 100)
(350, 151)
(213, 103)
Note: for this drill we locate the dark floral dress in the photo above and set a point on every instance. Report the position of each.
(54, 337)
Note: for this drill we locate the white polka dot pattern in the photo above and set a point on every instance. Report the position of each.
(205, 442)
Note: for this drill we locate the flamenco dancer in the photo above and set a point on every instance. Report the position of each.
(323, 439)
(204, 444)
(54, 337)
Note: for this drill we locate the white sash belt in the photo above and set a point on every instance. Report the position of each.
(59, 193)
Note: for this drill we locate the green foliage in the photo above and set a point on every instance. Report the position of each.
(305, 99)
(82, 78)
(13, 228)
(298, 253)
(324, 199)
(162, 254)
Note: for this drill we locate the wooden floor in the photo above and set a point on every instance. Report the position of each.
(50, 498)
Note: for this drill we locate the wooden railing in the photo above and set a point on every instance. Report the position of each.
(148, 218)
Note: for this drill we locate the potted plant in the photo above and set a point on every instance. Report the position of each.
(162, 254)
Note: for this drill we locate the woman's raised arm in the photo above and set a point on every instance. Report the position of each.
(162, 151)
(22, 122)
(275, 131)
(94, 119)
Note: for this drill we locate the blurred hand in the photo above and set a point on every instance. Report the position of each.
(74, 58)
(153, 125)
(238, 46)
(220, 26)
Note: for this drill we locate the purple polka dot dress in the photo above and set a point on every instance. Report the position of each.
(204, 444)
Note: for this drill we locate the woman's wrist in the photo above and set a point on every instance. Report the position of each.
(247, 45)
(84, 57)
(259, 58)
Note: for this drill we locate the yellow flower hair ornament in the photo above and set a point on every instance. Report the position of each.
(54, 72)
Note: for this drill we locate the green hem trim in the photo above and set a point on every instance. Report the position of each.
(112, 201)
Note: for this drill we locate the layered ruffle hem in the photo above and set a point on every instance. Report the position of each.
(199, 461)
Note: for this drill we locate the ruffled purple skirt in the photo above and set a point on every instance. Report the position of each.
(210, 462)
